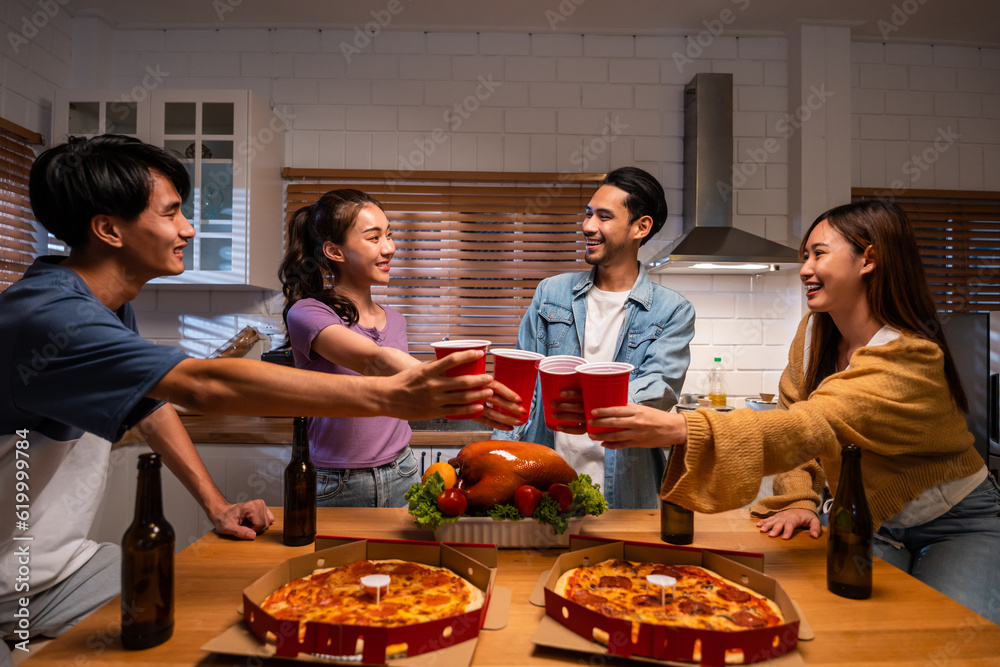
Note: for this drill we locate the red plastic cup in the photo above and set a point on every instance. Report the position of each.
(558, 373)
(443, 348)
(604, 385)
(518, 370)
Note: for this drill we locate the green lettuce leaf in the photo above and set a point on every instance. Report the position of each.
(422, 499)
(505, 512)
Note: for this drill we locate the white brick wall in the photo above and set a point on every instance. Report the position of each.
(924, 116)
(34, 62)
(747, 321)
(504, 44)
(555, 92)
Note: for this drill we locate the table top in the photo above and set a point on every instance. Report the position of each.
(904, 623)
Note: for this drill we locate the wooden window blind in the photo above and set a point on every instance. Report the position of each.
(470, 246)
(18, 229)
(958, 233)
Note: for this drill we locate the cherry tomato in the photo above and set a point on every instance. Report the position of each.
(527, 499)
(562, 495)
(452, 502)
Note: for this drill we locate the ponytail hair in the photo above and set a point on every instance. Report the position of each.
(305, 271)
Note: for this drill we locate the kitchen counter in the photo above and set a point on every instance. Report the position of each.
(904, 623)
(278, 431)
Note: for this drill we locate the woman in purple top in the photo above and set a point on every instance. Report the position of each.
(344, 238)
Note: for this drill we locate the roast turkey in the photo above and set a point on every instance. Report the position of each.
(490, 471)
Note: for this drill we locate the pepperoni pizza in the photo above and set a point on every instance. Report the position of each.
(417, 593)
(699, 599)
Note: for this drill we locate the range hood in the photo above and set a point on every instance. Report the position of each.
(709, 237)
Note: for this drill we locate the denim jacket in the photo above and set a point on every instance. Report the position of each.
(659, 325)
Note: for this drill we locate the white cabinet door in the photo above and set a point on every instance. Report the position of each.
(427, 456)
(232, 145)
(242, 472)
(87, 113)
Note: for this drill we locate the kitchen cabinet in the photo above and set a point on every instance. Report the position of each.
(241, 471)
(232, 146)
(427, 456)
(86, 113)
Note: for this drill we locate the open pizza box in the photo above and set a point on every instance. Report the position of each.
(568, 625)
(451, 639)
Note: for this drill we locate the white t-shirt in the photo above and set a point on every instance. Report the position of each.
(605, 319)
(67, 480)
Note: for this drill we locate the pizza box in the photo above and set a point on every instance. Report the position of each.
(452, 639)
(568, 625)
(523, 534)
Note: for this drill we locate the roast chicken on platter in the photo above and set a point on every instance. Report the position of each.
(490, 471)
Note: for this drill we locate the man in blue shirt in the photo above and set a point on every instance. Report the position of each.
(614, 312)
(79, 375)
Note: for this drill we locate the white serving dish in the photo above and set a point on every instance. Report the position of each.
(526, 533)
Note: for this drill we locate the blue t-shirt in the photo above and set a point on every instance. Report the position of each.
(77, 375)
(73, 364)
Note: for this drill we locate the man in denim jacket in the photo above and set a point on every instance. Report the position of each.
(614, 312)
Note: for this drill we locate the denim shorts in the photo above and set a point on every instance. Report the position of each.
(383, 486)
(955, 553)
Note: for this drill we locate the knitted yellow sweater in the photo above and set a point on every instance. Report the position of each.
(893, 401)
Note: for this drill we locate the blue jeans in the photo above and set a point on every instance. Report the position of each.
(383, 486)
(957, 553)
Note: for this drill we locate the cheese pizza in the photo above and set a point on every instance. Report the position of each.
(416, 593)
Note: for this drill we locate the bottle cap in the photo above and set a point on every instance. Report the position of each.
(148, 461)
(718, 359)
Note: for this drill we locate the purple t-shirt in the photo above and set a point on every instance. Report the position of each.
(347, 442)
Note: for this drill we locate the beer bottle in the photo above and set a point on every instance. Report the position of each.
(676, 523)
(849, 549)
(148, 565)
(300, 490)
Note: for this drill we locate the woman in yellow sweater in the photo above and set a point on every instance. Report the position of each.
(868, 366)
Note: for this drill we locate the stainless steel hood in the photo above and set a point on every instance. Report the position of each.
(708, 234)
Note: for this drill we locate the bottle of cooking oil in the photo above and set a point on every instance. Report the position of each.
(717, 383)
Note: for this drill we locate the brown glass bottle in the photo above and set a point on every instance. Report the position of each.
(148, 565)
(300, 490)
(849, 549)
(676, 523)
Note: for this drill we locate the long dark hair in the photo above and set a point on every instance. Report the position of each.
(896, 289)
(305, 272)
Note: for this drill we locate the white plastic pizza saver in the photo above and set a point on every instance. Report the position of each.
(377, 584)
(662, 581)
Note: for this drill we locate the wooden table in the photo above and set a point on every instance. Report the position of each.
(904, 623)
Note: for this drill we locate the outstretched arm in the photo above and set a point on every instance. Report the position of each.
(247, 387)
(350, 349)
(641, 426)
(340, 345)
